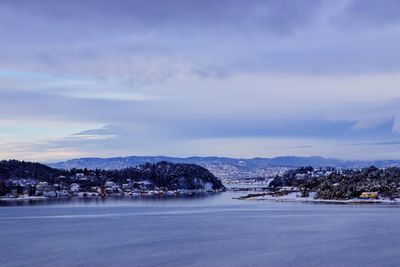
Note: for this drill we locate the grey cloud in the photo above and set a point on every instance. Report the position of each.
(160, 14)
(151, 41)
(359, 13)
(185, 56)
(383, 143)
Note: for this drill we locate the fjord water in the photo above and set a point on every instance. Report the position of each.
(205, 231)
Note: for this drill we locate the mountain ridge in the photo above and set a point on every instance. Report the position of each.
(225, 167)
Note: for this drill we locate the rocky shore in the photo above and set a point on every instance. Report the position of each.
(295, 197)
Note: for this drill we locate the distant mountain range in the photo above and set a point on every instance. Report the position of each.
(224, 167)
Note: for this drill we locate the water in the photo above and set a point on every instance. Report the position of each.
(206, 231)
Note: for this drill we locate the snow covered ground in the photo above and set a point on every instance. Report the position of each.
(294, 196)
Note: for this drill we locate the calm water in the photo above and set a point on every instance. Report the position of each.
(211, 231)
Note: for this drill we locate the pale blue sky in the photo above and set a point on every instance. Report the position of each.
(181, 78)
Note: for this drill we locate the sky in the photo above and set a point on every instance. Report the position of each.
(183, 78)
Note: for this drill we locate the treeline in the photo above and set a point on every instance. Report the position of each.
(15, 169)
(343, 184)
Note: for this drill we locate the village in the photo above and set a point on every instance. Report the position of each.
(26, 189)
(26, 181)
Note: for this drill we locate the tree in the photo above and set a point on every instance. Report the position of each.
(32, 190)
(4, 189)
(20, 190)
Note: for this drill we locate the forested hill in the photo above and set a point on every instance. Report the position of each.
(14, 169)
(342, 184)
(161, 174)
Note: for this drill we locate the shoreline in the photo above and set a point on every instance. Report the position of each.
(11, 199)
(293, 198)
(74, 197)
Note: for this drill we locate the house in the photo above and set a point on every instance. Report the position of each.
(127, 186)
(63, 193)
(369, 195)
(74, 187)
(110, 184)
(110, 187)
(42, 186)
(49, 194)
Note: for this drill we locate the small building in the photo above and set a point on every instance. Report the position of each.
(127, 186)
(49, 194)
(63, 193)
(42, 186)
(110, 184)
(74, 187)
(369, 195)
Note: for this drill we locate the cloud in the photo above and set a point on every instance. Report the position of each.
(168, 77)
(383, 143)
(144, 42)
(159, 14)
(396, 123)
(363, 13)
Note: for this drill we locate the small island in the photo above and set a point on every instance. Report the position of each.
(20, 180)
(367, 185)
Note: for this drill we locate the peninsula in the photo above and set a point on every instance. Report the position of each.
(367, 185)
(27, 180)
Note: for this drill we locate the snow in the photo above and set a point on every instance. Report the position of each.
(294, 196)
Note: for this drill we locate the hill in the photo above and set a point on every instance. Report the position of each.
(225, 167)
(26, 176)
(14, 169)
(342, 184)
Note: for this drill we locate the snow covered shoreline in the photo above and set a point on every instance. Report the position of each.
(25, 198)
(292, 197)
(149, 194)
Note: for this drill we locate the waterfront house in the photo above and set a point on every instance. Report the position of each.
(369, 195)
(74, 187)
(49, 193)
(63, 193)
